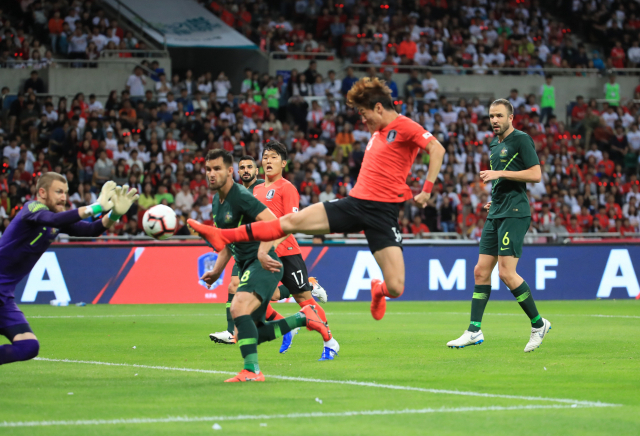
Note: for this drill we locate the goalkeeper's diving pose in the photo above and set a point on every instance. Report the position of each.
(28, 237)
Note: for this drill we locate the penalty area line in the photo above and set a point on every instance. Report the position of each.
(345, 382)
(171, 419)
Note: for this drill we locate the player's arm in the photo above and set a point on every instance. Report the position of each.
(214, 274)
(436, 152)
(533, 173)
(267, 262)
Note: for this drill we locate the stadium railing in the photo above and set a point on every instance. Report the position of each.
(457, 70)
(303, 55)
(137, 21)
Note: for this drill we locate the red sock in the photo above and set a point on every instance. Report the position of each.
(385, 291)
(272, 315)
(319, 309)
(258, 231)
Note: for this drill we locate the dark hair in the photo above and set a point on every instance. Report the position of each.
(276, 146)
(227, 158)
(504, 102)
(247, 157)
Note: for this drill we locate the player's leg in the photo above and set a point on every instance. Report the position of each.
(227, 336)
(296, 278)
(242, 308)
(273, 315)
(391, 263)
(311, 220)
(511, 238)
(14, 326)
(482, 288)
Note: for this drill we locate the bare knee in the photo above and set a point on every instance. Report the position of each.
(509, 278)
(481, 274)
(395, 286)
(233, 287)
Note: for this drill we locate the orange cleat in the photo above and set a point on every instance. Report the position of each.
(314, 322)
(246, 376)
(378, 300)
(210, 233)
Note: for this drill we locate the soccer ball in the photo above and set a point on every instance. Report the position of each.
(159, 222)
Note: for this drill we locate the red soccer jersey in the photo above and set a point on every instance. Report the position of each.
(281, 198)
(387, 161)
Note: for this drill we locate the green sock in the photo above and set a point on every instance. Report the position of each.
(229, 318)
(248, 342)
(479, 301)
(525, 299)
(284, 292)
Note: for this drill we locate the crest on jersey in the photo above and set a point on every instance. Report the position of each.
(503, 152)
(270, 194)
(391, 136)
(228, 217)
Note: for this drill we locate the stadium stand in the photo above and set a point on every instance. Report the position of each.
(155, 139)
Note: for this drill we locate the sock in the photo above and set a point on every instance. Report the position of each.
(272, 315)
(479, 301)
(385, 291)
(284, 292)
(331, 343)
(258, 231)
(229, 317)
(276, 329)
(525, 299)
(19, 351)
(248, 342)
(319, 309)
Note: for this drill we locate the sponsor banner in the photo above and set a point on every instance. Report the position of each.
(171, 274)
(184, 23)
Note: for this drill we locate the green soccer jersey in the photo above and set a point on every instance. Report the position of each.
(255, 183)
(240, 207)
(515, 153)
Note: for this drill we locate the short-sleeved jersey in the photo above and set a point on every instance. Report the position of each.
(388, 159)
(238, 208)
(281, 198)
(30, 234)
(516, 153)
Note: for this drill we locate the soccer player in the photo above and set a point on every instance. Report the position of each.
(282, 198)
(28, 237)
(232, 205)
(514, 163)
(372, 205)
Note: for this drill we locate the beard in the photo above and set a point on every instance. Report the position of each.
(246, 177)
(220, 182)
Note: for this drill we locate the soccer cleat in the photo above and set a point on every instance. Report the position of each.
(314, 322)
(210, 233)
(318, 291)
(537, 335)
(467, 338)
(223, 338)
(378, 300)
(329, 352)
(287, 340)
(246, 376)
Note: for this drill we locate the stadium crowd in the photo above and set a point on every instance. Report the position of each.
(474, 34)
(156, 142)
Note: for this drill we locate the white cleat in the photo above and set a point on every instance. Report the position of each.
(537, 335)
(467, 338)
(318, 291)
(223, 338)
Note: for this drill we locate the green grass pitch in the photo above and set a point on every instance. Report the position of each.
(392, 377)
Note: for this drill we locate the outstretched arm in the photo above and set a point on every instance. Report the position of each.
(211, 276)
(530, 175)
(267, 261)
(436, 155)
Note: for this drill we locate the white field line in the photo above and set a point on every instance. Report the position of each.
(183, 419)
(346, 382)
(328, 313)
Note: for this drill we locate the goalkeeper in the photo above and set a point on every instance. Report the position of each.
(28, 237)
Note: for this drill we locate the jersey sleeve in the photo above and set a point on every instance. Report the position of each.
(37, 213)
(290, 200)
(83, 228)
(421, 137)
(249, 205)
(528, 152)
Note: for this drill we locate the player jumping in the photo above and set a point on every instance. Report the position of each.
(514, 163)
(28, 237)
(372, 205)
(233, 205)
(248, 172)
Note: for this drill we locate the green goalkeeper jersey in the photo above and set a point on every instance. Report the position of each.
(516, 153)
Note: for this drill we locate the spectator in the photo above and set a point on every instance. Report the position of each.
(135, 84)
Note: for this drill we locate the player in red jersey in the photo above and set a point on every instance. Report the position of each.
(282, 198)
(372, 205)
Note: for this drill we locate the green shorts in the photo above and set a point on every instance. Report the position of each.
(504, 236)
(253, 278)
(234, 270)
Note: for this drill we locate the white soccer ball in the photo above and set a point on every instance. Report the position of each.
(159, 222)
